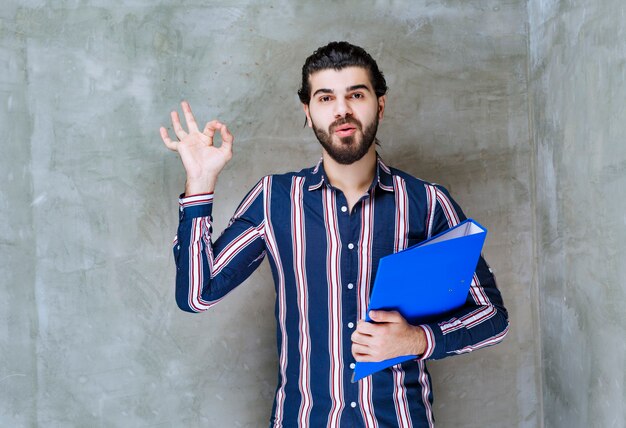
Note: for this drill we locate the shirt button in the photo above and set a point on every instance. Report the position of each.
(344, 209)
(350, 286)
(350, 246)
(352, 365)
(350, 325)
(353, 404)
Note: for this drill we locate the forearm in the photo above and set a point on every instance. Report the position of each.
(191, 255)
(207, 271)
(481, 322)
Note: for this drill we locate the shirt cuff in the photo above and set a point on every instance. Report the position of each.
(430, 342)
(195, 205)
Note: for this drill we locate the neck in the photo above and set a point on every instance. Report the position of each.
(355, 178)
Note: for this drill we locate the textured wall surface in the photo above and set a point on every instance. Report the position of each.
(578, 104)
(90, 333)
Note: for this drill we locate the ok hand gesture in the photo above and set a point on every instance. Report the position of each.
(202, 160)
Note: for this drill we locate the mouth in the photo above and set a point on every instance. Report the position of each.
(345, 130)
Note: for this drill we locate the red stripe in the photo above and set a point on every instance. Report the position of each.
(430, 342)
(431, 201)
(400, 398)
(480, 291)
(195, 268)
(423, 380)
(334, 297)
(487, 342)
(400, 243)
(470, 320)
(383, 166)
(364, 275)
(233, 248)
(299, 262)
(248, 201)
(191, 201)
(195, 301)
(448, 209)
(273, 251)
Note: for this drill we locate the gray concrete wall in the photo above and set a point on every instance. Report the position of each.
(91, 334)
(578, 93)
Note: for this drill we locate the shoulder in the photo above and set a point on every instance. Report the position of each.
(410, 180)
(285, 179)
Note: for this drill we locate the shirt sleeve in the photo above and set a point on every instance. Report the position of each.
(483, 320)
(207, 271)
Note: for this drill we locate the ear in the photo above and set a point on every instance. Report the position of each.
(308, 115)
(381, 106)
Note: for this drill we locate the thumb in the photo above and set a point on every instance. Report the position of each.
(384, 316)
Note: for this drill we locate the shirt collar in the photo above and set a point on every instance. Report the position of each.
(383, 179)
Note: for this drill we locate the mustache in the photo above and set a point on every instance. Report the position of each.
(344, 121)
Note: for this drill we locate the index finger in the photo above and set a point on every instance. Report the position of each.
(211, 127)
(366, 328)
(167, 140)
(192, 126)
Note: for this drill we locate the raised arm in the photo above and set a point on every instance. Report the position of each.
(207, 271)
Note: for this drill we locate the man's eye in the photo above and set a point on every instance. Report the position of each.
(358, 95)
(325, 99)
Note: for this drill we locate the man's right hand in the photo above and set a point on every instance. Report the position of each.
(202, 160)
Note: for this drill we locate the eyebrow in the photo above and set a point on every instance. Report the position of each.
(348, 89)
(355, 87)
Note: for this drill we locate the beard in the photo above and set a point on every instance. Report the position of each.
(348, 149)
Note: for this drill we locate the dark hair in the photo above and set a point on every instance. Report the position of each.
(339, 55)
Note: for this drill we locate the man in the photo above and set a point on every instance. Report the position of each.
(324, 230)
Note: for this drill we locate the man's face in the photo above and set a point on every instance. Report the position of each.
(344, 112)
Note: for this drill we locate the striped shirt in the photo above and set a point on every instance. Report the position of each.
(323, 258)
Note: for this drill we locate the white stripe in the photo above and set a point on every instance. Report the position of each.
(243, 207)
(200, 227)
(189, 201)
(401, 239)
(431, 198)
(195, 301)
(234, 248)
(317, 167)
(334, 310)
(399, 396)
(487, 342)
(480, 296)
(470, 320)
(430, 342)
(195, 268)
(448, 208)
(273, 251)
(450, 325)
(383, 166)
(317, 186)
(299, 262)
(477, 292)
(423, 380)
(365, 274)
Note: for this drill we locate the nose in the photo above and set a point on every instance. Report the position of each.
(342, 108)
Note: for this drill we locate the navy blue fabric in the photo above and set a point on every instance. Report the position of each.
(322, 285)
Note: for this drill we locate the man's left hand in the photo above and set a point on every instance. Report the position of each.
(389, 337)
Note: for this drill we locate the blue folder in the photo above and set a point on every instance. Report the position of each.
(425, 281)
